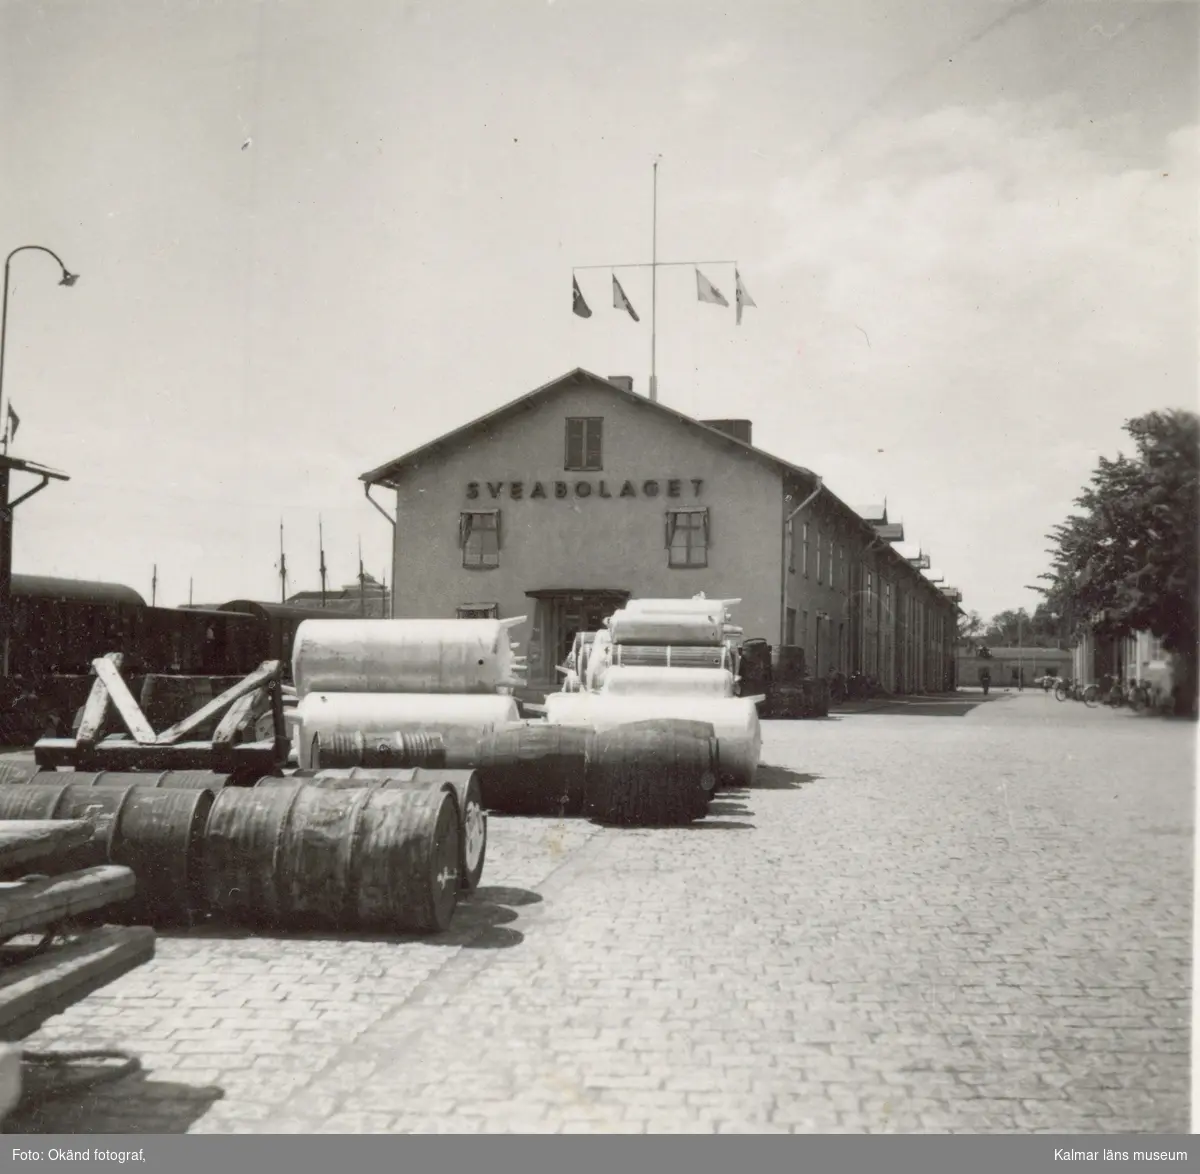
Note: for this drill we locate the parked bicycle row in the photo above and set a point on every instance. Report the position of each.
(1111, 691)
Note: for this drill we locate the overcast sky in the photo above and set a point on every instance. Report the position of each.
(313, 235)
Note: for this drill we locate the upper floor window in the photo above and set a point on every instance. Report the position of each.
(804, 549)
(585, 444)
(687, 538)
(479, 537)
(819, 578)
(791, 548)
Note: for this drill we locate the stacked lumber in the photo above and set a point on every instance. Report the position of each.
(46, 964)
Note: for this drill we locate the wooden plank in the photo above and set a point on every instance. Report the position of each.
(131, 713)
(113, 754)
(96, 708)
(36, 904)
(238, 712)
(33, 991)
(26, 840)
(258, 678)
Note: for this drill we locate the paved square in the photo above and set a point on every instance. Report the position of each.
(942, 915)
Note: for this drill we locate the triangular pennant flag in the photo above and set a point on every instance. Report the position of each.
(743, 298)
(14, 422)
(578, 305)
(707, 292)
(621, 302)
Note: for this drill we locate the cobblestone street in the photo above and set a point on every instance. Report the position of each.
(956, 914)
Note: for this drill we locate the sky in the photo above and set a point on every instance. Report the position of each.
(313, 236)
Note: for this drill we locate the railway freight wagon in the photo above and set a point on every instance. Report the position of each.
(61, 625)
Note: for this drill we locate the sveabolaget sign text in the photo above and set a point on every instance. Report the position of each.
(515, 490)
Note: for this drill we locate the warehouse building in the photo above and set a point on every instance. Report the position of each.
(569, 500)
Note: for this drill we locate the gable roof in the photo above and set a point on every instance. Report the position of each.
(388, 474)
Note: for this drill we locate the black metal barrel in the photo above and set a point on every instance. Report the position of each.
(348, 749)
(291, 855)
(465, 784)
(535, 768)
(171, 780)
(159, 834)
(652, 773)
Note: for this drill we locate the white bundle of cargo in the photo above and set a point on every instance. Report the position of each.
(461, 718)
(406, 656)
(697, 605)
(734, 721)
(670, 656)
(667, 682)
(703, 628)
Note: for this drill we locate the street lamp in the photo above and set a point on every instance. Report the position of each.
(68, 279)
(7, 464)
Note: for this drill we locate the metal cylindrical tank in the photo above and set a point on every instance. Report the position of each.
(355, 748)
(735, 720)
(672, 682)
(459, 719)
(365, 859)
(672, 656)
(666, 628)
(690, 606)
(17, 772)
(652, 773)
(404, 656)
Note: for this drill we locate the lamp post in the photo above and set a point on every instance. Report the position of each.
(6, 507)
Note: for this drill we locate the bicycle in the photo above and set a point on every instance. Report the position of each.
(1110, 694)
(1139, 696)
(1062, 688)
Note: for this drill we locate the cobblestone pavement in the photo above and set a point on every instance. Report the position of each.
(940, 915)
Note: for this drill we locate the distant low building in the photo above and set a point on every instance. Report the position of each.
(370, 599)
(1007, 665)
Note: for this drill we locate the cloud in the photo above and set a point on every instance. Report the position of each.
(1022, 293)
(706, 71)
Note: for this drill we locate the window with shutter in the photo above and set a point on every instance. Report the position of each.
(479, 537)
(687, 538)
(584, 444)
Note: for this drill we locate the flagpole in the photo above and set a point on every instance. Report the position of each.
(654, 292)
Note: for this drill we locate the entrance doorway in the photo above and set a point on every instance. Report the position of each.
(560, 613)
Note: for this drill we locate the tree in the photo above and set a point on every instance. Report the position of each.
(969, 627)
(1043, 629)
(1128, 561)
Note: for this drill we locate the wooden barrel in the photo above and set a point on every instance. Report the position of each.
(535, 768)
(294, 856)
(159, 834)
(400, 749)
(652, 773)
(467, 791)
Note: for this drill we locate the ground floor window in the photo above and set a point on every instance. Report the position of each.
(479, 537)
(477, 611)
(789, 636)
(687, 538)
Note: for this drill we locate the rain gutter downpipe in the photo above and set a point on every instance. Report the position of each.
(391, 522)
(783, 592)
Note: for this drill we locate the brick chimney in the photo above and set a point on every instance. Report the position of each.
(624, 382)
(738, 429)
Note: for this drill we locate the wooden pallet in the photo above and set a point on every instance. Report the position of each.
(238, 709)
